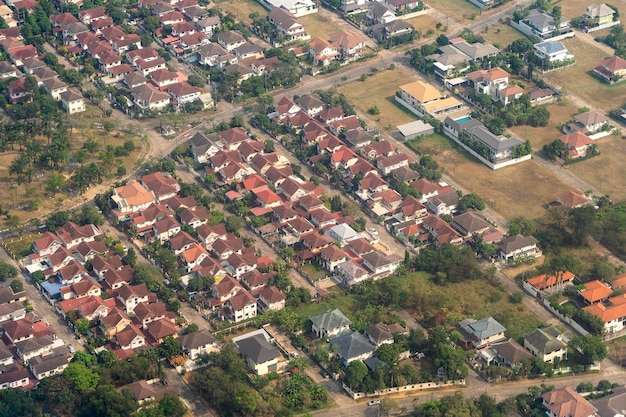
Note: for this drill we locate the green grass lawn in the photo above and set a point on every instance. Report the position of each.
(425, 300)
(317, 25)
(503, 35)
(21, 247)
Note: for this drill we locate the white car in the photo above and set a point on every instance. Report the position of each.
(373, 402)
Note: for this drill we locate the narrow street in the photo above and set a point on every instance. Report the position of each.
(187, 395)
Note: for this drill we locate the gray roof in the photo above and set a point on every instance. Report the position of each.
(343, 231)
(230, 36)
(248, 48)
(41, 364)
(468, 223)
(197, 339)
(595, 10)
(513, 243)
(331, 319)
(542, 21)
(476, 50)
(351, 345)
(358, 136)
(512, 351)
(550, 47)
(612, 405)
(31, 345)
(405, 174)
(545, 340)
(481, 329)
(378, 259)
(378, 9)
(257, 349)
(490, 140)
(309, 102)
(379, 332)
(4, 351)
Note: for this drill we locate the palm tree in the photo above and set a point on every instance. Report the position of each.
(17, 167)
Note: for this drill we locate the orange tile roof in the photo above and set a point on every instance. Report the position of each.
(595, 291)
(547, 280)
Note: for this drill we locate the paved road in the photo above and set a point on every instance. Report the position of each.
(476, 387)
(42, 307)
(189, 397)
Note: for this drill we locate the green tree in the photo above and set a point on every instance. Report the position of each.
(170, 347)
(388, 353)
(233, 223)
(17, 285)
(591, 347)
(472, 201)
(55, 183)
(355, 374)
(7, 271)
(82, 378)
(82, 326)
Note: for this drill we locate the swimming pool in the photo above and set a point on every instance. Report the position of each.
(463, 119)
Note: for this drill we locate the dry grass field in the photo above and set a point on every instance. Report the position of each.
(379, 90)
(317, 25)
(517, 191)
(241, 9)
(424, 23)
(459, 10)
(575, 8)
(606, 171)
(560, 112)
(502, 35)
(578, 80)
(15, 198)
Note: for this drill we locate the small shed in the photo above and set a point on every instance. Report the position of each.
(415, 129)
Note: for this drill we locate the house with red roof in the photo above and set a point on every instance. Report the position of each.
(115, 278)
(162, 328)
(193, 257)
(440, 231)
(47, 244)
(611, 70)
(130, 338)
(331, 256)
(376, 149)
(223, 248)
(180, 242)
(209, 234)
(576, 144)
(163, 187)
(95, 307)
(241, 306)
(131, 295)
(147, 313)
(238, 264)
(595, 291)
(271, 298)
(265, 197)
(165, 228)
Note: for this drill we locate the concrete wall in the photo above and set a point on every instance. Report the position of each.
(405, 388)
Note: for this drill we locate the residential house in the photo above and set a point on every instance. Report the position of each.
(203, 147)
(351, 347)
(297, 7)
(230, 39)
(595, 291)
(550, 281)
(543, 25)
(132, 295)
(379, 334)
(331, 256)
(351, 273)
(445, 202)
(209, 234)
(53, 364)
(494, 83)
(547, 344)
(500, 148)
(72, 101)
(16, 376)
(380, 264)
(330, 323)
(455, 59)
(349, 45)
(397, 27)
(552, 51)
(208, 25)
(55, 87)
(146, 97)
(589, 122)
(598, 15)
(72, 235)
(199, 343)
(165, 228)
(566, 402)
(261, 357)
(271, 299)
(130, 338)
(469, 223)
(132, 197)
(161, 328)
(577, 145)
(183, 93)
(322, 52)
(310, 104)
(287, 24)
(387, 164)
(379, 14)
(611, 70)
(478, 333)
(163, 187)
(512, 247)
(422, 99)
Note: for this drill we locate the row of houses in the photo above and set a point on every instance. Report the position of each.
(24, 60)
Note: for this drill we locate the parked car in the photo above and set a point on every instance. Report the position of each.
(373, 402)
(295, 354)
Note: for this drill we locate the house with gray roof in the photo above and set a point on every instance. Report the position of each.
(547, 344)
(204, 147)
(542, 25)
(469, 223)
(330, 323)
(352, 347)
(552, 51)
(612, 405)
(498, 151)
(342, 233)
(509, 353)
(455, 59)
(512, 247)
(260, 356)
(381, 264)
(49, 365)
(478, 333)
(198, 343)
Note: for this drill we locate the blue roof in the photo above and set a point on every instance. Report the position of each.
(52, 288)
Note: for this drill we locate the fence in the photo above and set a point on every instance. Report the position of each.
(530, 289)
(604, 26)
(405, 388)
(565, 319)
